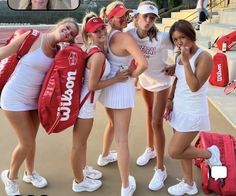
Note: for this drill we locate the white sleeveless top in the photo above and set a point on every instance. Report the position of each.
(190, 109)
(121, 94)
(22, 90)
(156, 52)
(87, 111)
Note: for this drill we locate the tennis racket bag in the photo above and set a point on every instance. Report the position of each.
(8, 65)
(220, 74)
(59, 100)
(229, 39)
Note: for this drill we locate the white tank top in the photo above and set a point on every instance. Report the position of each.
(29, 73)
(184, 99)
(116, 61)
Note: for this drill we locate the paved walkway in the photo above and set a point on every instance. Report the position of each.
(52, 158)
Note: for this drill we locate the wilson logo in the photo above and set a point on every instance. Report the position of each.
(219, 73)
(66, 98)
(73, 58)
(232, 44)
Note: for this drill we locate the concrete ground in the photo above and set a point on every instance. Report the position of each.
(52, 160)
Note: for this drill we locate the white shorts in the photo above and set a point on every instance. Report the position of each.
(185, 122)
(88, 110)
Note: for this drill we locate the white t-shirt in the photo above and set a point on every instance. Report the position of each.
(205, 3)
(156, 51)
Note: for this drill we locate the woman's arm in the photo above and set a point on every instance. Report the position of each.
(204, 65)
(127, 42)
(95, 64)
(12, 47)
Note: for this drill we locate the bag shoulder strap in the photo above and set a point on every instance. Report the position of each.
(89, 54)
(27, 43)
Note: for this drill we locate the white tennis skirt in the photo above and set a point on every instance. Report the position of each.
(119, 95)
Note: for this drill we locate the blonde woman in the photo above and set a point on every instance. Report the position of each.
(94, 35)
(21, 108)
(122, 48)
(44, 4)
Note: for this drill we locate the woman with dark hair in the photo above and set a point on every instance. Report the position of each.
(188, 105)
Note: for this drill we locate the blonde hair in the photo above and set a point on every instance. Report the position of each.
(152, 32)
(112, 5)
(102, 13)
(52, 4)
(86, 18)
(67, 20)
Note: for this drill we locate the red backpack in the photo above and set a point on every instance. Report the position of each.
(229, 39)
(9, 64)
(227, 146)
(59, 100)
(219, 75)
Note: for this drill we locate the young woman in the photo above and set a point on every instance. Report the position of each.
(94, 35)
(122, 48)
(190, 107)
(155, 86)
(21, 108)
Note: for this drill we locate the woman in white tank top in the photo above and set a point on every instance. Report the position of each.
(20, 96)
(94, 35)
(119, 97)
(188, 102)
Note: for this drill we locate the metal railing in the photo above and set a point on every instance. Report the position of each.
(225, 4)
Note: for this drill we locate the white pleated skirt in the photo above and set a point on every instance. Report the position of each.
(119, 95)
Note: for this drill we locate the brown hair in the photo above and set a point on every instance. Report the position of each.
(184, 27)
(152, 32)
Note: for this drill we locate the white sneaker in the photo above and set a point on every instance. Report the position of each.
(87, 184)
(214, 160)
(129, 191)
(183, 188)
(35, 179)
(11, 186)
(157, 181)
(110, 158)
(92, 173)
(146, 156)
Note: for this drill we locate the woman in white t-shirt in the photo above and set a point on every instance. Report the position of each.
(155, 83)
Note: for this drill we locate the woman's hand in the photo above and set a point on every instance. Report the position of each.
(122, 75)
(168, 110)
(169, 70)
(185, 54)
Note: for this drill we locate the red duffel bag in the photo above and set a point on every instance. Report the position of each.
(227, 146)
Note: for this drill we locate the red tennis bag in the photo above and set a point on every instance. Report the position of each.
(227, 146)
(229, 39)
(8, 65)
(220, 74)
(59, 100)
